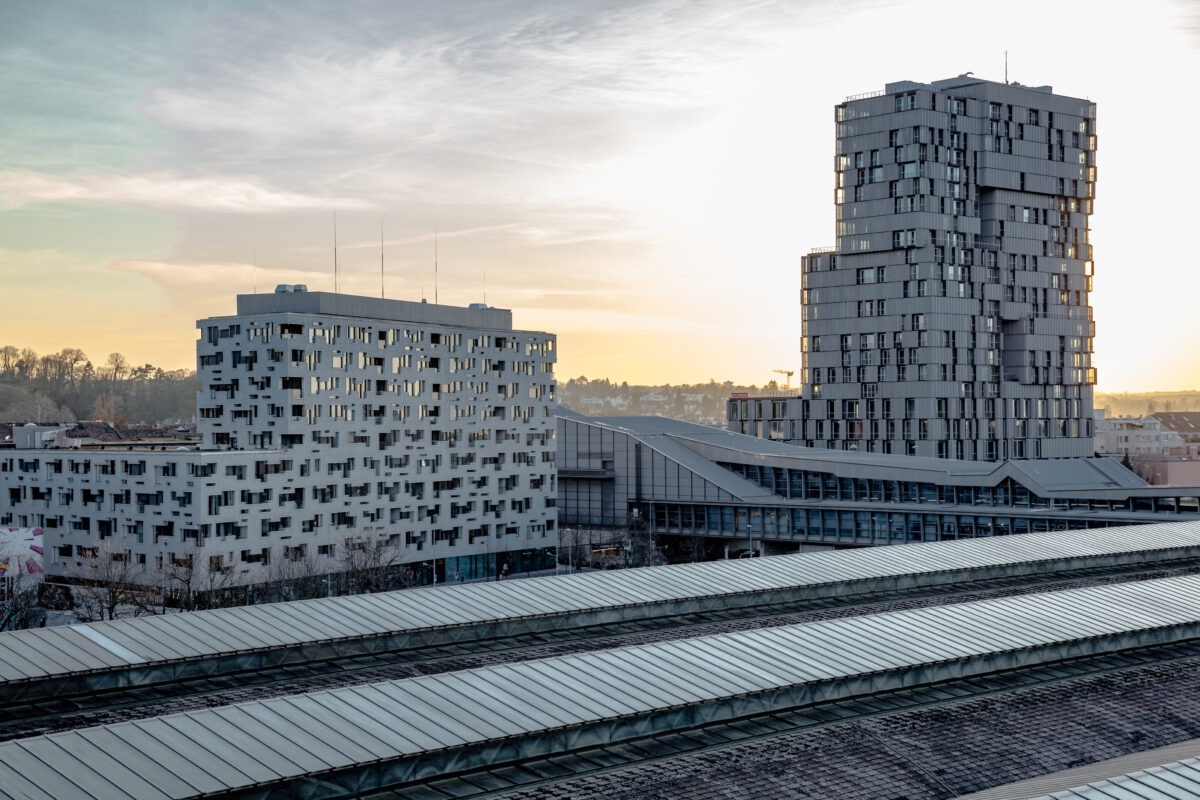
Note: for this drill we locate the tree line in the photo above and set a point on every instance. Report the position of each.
(1141, 404)
(67, 386)
(697, 402)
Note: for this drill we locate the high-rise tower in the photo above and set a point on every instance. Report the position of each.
(952, 317)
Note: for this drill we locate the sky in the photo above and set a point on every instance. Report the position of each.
(641, 178)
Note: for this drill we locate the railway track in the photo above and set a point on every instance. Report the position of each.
(65, 713)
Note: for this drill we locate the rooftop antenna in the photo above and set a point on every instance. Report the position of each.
(1006, 66)
(381, 256)
(254, 262)
(435, 264)
(485, 287)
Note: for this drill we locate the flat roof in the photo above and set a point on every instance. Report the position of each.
(376, 309)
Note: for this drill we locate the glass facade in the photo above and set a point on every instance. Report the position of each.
(886, 516)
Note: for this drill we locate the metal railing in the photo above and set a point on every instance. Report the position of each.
(864, 95)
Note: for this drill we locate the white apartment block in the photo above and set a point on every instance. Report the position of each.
(325, 419)
(1135, 436)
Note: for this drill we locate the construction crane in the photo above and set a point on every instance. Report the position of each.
(787, 372)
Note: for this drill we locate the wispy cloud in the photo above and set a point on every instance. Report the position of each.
(515, 108)
(212, 280)
(160, 190)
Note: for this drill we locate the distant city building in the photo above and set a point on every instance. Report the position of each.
(327, 422)
(952, 317)
(1184, 423)
(1118, 436)
(1163, 448)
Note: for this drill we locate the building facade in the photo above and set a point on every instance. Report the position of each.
(1117, 436)
(675, 478)
(327, 422)
(952, 317)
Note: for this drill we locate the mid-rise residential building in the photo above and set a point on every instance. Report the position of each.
(327, 422)
(1116, 436)
(952, 318)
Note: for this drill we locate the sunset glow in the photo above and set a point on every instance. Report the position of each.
(641, 178)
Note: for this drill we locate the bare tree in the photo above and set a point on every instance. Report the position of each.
(179, 577)
(73, 361)
(1147, 470)
(372, 564)
(19, 606)
(576, 544)
(104, 407)
(193, 579)
(43, 409)
(116, 367)
(295, 573)
(108, 585)
(26, 363)
(216, 579)
(9, 356)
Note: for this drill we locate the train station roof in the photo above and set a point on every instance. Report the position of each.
(701, 447)
(329, 627)
(372, 735)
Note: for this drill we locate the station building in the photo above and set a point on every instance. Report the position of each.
(758, 496)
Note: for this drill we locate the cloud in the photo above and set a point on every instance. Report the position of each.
(214, 280)
(513, 104)
(161, 190)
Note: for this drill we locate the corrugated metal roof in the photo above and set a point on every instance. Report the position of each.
(1070, 782)
(239, 746)
(99, 646)
(1178, 781)
(1043, 476)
